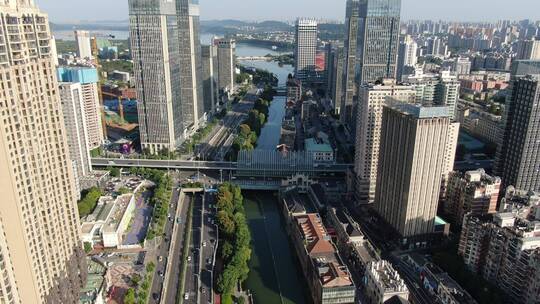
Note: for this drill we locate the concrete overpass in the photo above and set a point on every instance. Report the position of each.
(164, 164)
(271, 169)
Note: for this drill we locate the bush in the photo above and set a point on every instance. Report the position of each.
(89, 201)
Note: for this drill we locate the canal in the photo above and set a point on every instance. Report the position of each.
(274, 276)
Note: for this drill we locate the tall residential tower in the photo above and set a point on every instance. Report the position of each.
(40, 246)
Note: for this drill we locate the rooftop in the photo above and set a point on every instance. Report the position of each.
(387, 277)
(314, 234)
(422, 112)
(118, 211)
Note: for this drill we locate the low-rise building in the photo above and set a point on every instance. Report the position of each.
(383, 283)
(109, 221)
(93, 292)
(327, 276)
(480, 123)
(322, 151)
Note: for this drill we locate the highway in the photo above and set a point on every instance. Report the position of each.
(191, 287)
(209, 242)
(418, 294)
(164, 247)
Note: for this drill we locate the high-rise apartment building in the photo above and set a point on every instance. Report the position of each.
(371, 99)
(436, 89)
(210, 77)
(504, 248)
(518, 155)
(166, 54)
(473, 191)
(378, 39)
(348, 87)
(40, 244)
(89, 80)
(226, 49)
(411, 48)
(306, 49)
(413, 146)
(84, 47)
(528, 50)
(76, 130)
(462, 66)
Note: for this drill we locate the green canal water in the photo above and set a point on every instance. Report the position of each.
(274, 277)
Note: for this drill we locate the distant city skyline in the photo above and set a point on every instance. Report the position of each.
(458, 10)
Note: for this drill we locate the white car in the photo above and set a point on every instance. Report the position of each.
(204, 244)
(186, 296)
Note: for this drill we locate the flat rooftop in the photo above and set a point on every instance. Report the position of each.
(118, 211)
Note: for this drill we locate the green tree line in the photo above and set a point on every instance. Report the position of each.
(89, 201)
(235, 238)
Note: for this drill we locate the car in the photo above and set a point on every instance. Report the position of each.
(179, 220)
(189, 258)
(155, 296)
(204, 244)
(160, 273)
(203, 290)
(208, 261)
(160, 259)
(186, 296)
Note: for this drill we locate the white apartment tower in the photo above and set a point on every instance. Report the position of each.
(84, 46)
(40, 245)
(89, 80)
(411, 48)
(371, 100)
(306, 48)
(76, 129)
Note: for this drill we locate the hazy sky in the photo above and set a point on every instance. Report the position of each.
(470, 10)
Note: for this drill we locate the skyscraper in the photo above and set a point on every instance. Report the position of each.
(88, 79)
(210, 77)
(167, 67)
(411, 162)
(378, 39)
(352, 22)
(306, 48)
(76, 130)
(518, 156)
(40, 244)
(84, 48)
(191, 63)
(226, 64)
(335, 76)
(371, 99)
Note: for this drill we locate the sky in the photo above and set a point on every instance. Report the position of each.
(458, 10)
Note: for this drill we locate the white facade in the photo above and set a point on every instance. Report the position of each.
(84, 46)
(306, 48)
(411, 48)
(77, 131)
(371, 100)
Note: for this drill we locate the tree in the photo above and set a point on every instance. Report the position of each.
(129, 298)
(115, 172)
(245, 130)
(123, 190)
(88, 247)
